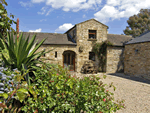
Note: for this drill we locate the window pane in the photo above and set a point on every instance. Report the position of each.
(91, 36)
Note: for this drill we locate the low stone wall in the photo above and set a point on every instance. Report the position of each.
(137, 60)
(115, 59)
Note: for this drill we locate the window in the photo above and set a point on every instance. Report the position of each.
(92, 56)
(55, 54)
(92, 34)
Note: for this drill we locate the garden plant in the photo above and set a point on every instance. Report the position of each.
(57, 91)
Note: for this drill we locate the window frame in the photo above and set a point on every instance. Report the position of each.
(92, 33)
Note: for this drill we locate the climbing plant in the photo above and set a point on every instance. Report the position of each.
(100, 51)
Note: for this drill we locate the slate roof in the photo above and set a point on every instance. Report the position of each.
(86, 21)
(63, 39)
(118, 40)
(52, 38)
(144, 37)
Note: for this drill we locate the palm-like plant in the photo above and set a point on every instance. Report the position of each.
(22, 53)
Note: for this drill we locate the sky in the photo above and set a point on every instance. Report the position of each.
(57, 16)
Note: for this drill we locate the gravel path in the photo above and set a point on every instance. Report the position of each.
(136, 94)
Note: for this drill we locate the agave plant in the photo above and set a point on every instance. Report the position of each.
(22, 54)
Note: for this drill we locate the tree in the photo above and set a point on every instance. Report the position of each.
(138, 24)
(5, 21)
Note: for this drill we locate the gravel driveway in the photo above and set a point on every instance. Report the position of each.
(135, 92)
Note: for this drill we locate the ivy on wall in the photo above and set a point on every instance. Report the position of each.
(100, 50)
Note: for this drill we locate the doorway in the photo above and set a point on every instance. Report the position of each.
(69, 60)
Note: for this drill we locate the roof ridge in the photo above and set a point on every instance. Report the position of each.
(86, 21)
(94, 20)
(120, 35)
(42, 32)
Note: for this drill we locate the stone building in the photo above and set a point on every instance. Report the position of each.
(137, 60)
(74, 47)
(115, 53)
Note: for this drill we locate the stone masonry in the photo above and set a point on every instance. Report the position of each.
(82, 34)
(137, 60)
(50, 57)
(82, 39)
(115, 59)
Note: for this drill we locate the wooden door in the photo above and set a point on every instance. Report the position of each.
(69, 61)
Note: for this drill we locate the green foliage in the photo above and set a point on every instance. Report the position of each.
(5, 21)
(54, 90)
(100, 50)
(17, 90)
(138, 24)
(20, 53)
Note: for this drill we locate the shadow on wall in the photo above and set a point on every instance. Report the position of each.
(120, 65)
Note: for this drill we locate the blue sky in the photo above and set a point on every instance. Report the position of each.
(60, 15)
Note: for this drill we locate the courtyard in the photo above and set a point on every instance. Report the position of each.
(135, 91)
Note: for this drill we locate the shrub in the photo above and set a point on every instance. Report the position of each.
(20, 53)
(12, 89)
(55, 90)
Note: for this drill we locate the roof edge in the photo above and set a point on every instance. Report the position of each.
(136, 42)
(70, 29)
(94, 20)
(83, 22)
(120, 35)
(41, 32)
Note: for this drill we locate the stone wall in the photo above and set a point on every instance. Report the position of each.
(82, 39)
(115, 59)
(137, 60)
(50, 57)
(82, 31)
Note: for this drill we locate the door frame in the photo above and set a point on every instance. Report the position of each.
(73, 61)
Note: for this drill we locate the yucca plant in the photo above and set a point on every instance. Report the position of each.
(22, 53)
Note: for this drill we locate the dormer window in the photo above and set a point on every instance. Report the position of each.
(92, 34)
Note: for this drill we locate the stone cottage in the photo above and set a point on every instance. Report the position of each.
(137, 56)
(74, 47)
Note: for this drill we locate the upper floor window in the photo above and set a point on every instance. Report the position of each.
(92, 34)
